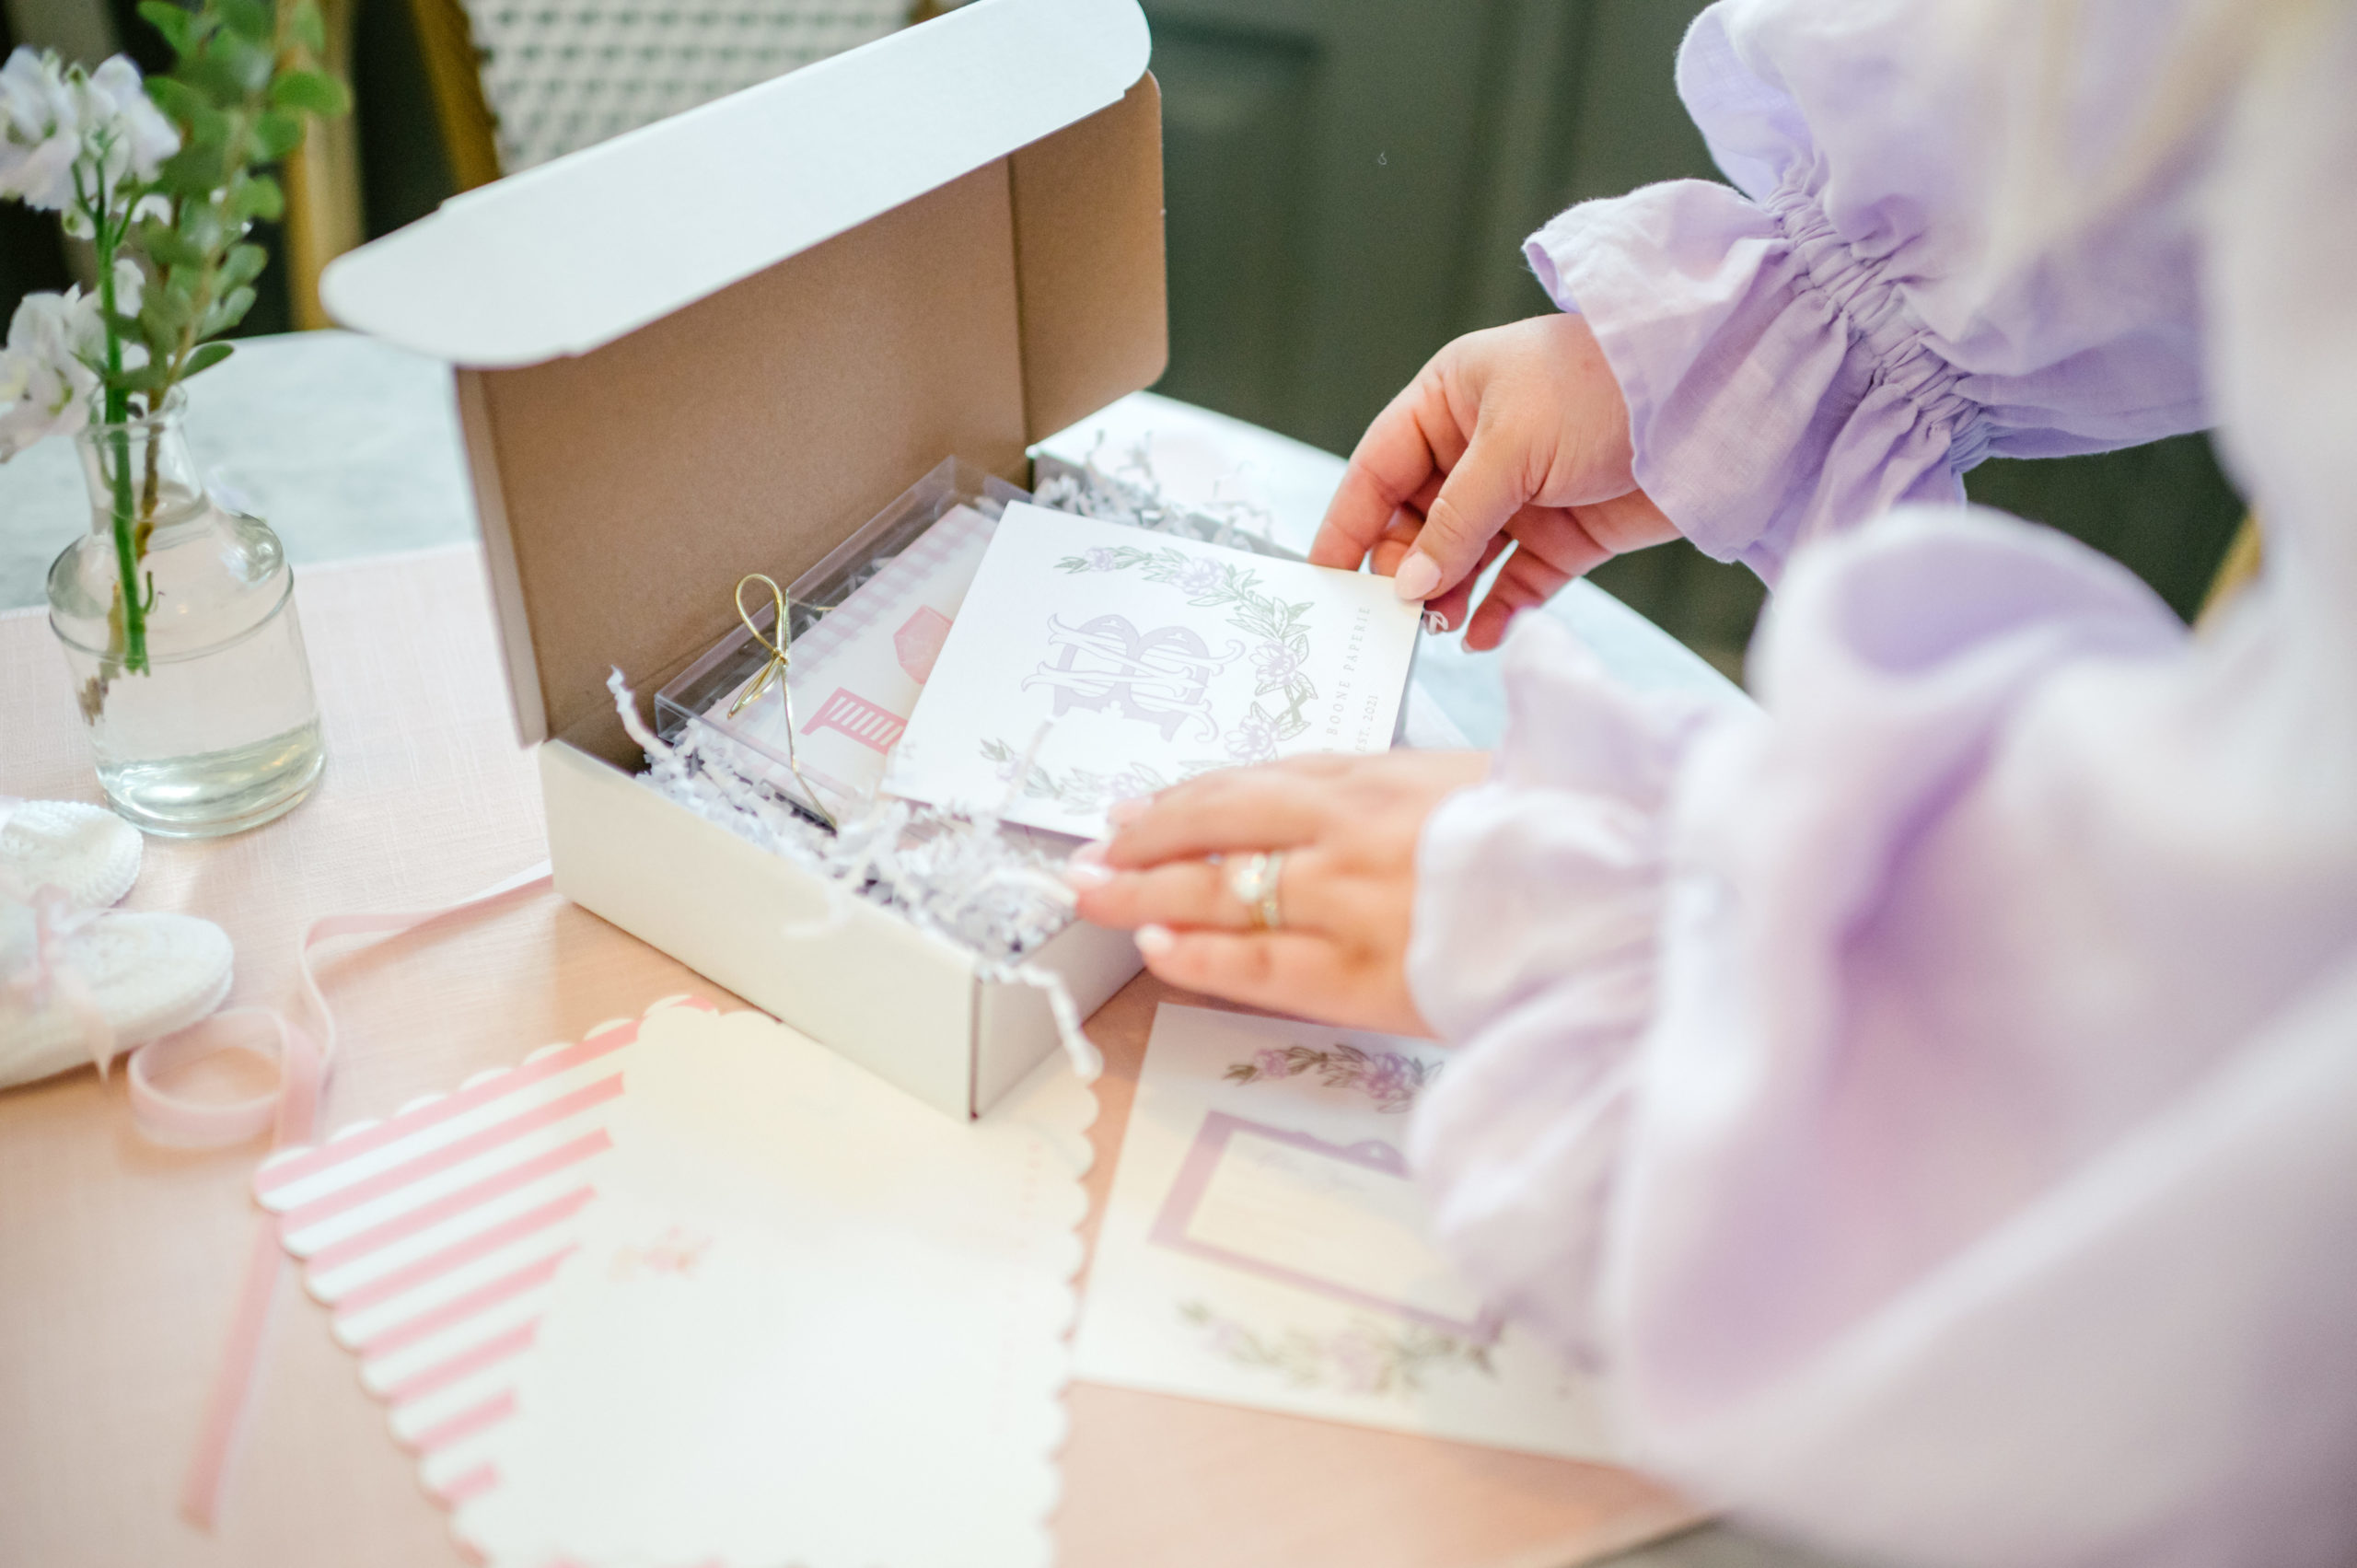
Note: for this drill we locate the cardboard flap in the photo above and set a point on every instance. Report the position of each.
(625, 486)
(572, 255)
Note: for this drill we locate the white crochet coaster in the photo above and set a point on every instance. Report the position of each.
(86, 849)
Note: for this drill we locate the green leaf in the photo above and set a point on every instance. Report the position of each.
(206, 358)
(232, 67)
(307, 26)
(201, 226)
(252, 18)
(257, 196)
(228, 314)
(180, 102)
(195, 170)
(277, 133)
(314, 92)
(148, 378)
(161, 243)
(163, 314)
(243, 264)
(176, 25)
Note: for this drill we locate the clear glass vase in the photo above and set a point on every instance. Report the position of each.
(194, 688)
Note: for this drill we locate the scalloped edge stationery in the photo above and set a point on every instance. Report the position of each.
(1148, 658)
(696, 1290)
(1266, 1245)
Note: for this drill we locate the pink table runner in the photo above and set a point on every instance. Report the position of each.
(120, 1262)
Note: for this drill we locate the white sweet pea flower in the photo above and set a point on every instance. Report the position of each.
(46, 374)
(40, 131)
(118, 113)
(56, 118)
(130, 287)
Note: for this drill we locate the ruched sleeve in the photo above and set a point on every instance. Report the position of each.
(1847, 327)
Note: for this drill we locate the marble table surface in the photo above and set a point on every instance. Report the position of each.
(351, 449)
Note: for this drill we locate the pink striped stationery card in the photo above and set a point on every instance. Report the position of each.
(697, 1293)
(436, 1234)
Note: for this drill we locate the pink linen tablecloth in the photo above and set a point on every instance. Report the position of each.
(120, 1261)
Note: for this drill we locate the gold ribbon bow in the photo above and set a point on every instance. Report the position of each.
(775, 672)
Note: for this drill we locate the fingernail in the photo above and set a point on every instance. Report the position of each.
(1418, 576)
(1435, 622)
(1090, 853)
(1154, 940)
(1128, 810)
(1086, 875)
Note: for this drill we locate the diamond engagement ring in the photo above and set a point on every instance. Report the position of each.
(1253, 881)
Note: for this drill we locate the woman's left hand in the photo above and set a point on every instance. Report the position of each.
(1347, 828)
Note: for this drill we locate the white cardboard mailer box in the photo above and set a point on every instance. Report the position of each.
(720, 344)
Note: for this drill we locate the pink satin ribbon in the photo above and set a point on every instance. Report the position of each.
(290, 1113)
(50, 977)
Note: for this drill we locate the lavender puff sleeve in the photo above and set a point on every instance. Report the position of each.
(1831, 336)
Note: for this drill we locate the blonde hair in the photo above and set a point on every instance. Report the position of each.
(2221, 49)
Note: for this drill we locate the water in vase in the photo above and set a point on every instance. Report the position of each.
(199, 709)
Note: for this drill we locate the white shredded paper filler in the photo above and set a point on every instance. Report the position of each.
(994, 893)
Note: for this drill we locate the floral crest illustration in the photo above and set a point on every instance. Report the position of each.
(1365, 1358)
(1081, 789)
(675, 1250)
(1391, 1079)
(1279, 641)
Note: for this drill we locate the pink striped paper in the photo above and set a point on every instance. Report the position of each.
(437, 1236)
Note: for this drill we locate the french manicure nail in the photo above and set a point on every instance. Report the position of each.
(1128, 810)
(1086, 875)
(1090, 853)
(1418, 575)
(1154, 940)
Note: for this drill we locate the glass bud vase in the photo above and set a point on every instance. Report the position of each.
(193, 685)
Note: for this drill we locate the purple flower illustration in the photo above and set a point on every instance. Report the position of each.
(1387, 1078)
(1364, 1358)
(1358, 1360)
(1100, 560)
(1254, 739)
(1196, 578)
(1276, 662)
(1391, 1079)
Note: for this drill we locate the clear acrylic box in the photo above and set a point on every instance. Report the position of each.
(697, 698)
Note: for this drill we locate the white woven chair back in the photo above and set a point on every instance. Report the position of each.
(562, 74)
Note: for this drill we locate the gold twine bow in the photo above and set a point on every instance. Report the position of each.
(775, 672)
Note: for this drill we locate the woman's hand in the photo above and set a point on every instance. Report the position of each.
(1346, 889)
(1514, 435)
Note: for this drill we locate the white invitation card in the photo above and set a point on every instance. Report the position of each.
(1148, 659)
(1265, 1245)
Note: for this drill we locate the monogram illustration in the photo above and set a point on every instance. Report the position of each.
(1159, 678)
(1281, 639)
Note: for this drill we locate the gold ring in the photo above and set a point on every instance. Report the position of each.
(1253, 879)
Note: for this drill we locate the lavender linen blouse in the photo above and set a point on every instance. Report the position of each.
(1933, 1102)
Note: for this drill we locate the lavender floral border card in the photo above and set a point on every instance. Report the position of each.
(1134, 660)
(1265, 1245)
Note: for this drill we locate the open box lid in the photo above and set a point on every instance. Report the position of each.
(719, 343)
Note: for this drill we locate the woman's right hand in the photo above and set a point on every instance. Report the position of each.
(1515, 435)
